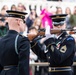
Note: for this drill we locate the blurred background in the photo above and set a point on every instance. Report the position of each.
(36, 10)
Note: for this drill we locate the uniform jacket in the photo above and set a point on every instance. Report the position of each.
(60, 51)
(9, 57)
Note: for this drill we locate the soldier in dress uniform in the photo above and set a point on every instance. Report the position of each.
(58, 48)
(14, 47)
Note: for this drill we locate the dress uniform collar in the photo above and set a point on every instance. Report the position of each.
(61, 35)
(58, 35)
(13, 32)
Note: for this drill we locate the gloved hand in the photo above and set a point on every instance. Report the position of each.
(50, 38)
(47, 34)
(50, 41)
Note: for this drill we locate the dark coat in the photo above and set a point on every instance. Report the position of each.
(60, 52)
(16, 64)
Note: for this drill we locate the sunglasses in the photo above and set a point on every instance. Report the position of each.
(58, 23)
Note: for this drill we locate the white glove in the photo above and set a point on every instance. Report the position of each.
(48, 32)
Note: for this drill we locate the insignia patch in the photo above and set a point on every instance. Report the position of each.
(63, 49)
(52, 48)
(70, 38)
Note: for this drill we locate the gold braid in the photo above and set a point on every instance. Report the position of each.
(34, 45)
(48, 45)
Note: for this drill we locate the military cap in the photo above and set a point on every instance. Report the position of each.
(16, 14)
(58, 19)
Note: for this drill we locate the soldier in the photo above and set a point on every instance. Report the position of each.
(14, 47)
(58, 49)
